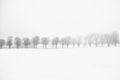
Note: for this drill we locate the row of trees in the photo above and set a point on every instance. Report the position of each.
(89, 40)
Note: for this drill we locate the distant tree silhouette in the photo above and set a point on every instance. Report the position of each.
(115, 38)
(68, 41)
(102, 39)
(18, 42)
(55, 41)
(89, 39)
(35, 41)
(108, 39)
(63, 42)
(96, 39)
(2, 43)
(26, 42)
(9, 41)
(79, 40)
(73, 42)
(45, 42)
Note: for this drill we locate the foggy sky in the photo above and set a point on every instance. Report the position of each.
(58, 17)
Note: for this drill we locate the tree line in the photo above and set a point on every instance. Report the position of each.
(93, 39)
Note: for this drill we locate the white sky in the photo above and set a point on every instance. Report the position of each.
(58, 17)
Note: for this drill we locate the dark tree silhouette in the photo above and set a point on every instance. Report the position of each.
(55, 42)
(45, 42)
(35, 41)
(2, 43)
(9, 41)
(115, 38)
(18, 42)
(26, 42)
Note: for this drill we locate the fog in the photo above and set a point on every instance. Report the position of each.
(58, 17)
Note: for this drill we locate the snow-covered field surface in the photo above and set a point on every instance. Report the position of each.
(60, 64)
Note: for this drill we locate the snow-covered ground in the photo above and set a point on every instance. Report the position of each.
(60, 64)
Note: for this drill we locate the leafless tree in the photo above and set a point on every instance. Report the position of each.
(115, 38)
(18, 42)
(26, 42)
(68, 41)
(102, 39)
(45, 42)
(73, 42)
(55, 41)
(108, 39)
(9, 41)
(89, 39)
(2, 43)
(63, 42)
(96, 39)
(35, 41)
(78, 40)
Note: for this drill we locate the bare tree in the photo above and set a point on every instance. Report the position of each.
(115, 38)
(9, 41)
(55, 41)
(73, 42)
(18, 42)
(45, 41)
(26, 42)
(68, 41)
(78, 40)
(63, 42)
(102, 39)
(108, 39)
(96, 39)
(89, 39)
(35, 41)
(2, 43)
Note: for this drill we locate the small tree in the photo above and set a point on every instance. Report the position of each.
(18, 42)
(55, 41)
(9, 41)
(2, 43)
(45, 41)
(26, 42)
(35, 41)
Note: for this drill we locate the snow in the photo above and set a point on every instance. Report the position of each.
(60, 64)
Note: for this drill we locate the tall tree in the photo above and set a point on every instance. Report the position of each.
(2, 43)
(68, 41)
(45, 41)
(9, 41)
(89, 39)
(35, 41)
(26, 42)
(18, 42)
